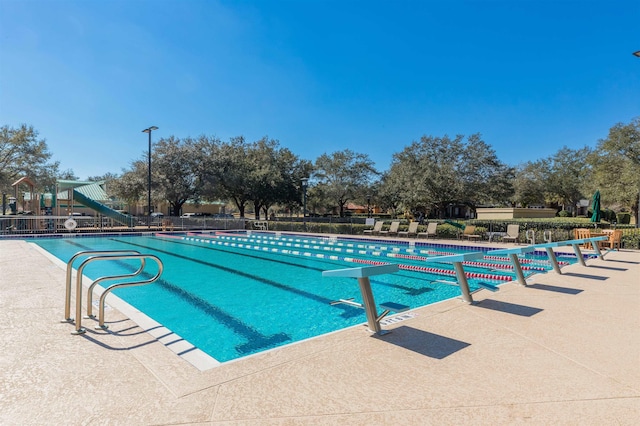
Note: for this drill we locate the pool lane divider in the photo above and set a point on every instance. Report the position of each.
(377, 253)
(334, 242)
(214, 240)
(287, 241)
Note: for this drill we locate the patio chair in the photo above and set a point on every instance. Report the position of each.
(413, 230)
(614, 241)
(430, 232)
(377, 227)
(393, 229)
(468, 233)
(580, 234)
(513, 233)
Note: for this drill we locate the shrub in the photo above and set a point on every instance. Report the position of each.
(631, 238)
(624, 218)
(609, 215)
(563, 213)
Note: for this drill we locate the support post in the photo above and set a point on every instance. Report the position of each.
(517, 268)
(463, 283)
(369, 304)
(553, 260)
(578, 252)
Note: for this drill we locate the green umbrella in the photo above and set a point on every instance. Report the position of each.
(456, 224)
(595, 217)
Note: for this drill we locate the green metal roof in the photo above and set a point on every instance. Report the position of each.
(67, 184)
(92, 190)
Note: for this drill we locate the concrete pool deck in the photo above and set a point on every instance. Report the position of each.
(563, 350)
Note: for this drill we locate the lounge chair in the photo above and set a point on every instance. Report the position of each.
(377, 227)
(513, 233)
(413, 230)
(468, 233)
(261, 225)
(393, 229)
(430, 232)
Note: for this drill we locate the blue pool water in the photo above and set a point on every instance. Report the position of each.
(236, 295)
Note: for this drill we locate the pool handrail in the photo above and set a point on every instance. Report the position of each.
(104, 294)
(109, 278)
(78, 321)
(67, 303)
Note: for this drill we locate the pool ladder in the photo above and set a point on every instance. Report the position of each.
(98, 255)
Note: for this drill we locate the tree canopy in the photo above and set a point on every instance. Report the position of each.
(22, 154)
(616, 163)
(343, 176)
(429, 175)
(435, 172)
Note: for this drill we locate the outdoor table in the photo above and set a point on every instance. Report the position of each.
(596, 234)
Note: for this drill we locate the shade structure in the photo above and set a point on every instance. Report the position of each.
(595, 217)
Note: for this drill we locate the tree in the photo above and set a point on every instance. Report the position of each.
(175, 175)
(343, 176)
(391, 191)
(22, 154)
(275, 175)
(617, 165)
(528, 183)
(426, 175)
(568, 172)
(485, 179)
(433, 173)
(131, 186)
(175, 172)
(226, 168)
(260, 172)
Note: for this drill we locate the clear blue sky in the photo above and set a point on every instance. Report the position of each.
(319, 76)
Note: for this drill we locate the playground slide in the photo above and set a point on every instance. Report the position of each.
(102, 209)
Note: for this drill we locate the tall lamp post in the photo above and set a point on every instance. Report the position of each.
(368, 205)
(149, 130)
(305, 182)
(637, 54)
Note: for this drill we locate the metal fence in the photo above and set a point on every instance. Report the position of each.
(24, 225)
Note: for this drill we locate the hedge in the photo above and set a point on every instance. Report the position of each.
(559, 229)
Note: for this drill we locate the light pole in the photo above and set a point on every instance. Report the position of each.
(305, 182)
(368, 205)
(637, 54)
(149, 130)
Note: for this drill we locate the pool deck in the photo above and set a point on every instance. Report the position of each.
(564, 350)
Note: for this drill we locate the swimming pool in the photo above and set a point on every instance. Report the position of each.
(233, 295)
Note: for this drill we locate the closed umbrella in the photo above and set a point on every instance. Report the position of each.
(595, 217)
(456, 224)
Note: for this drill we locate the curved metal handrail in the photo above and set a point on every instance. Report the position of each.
(104, 294)
(79, 329)
(67, 302)
(108, 278)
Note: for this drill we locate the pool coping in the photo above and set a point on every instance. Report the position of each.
(505, 369)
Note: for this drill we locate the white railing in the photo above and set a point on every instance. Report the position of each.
(29, 224)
